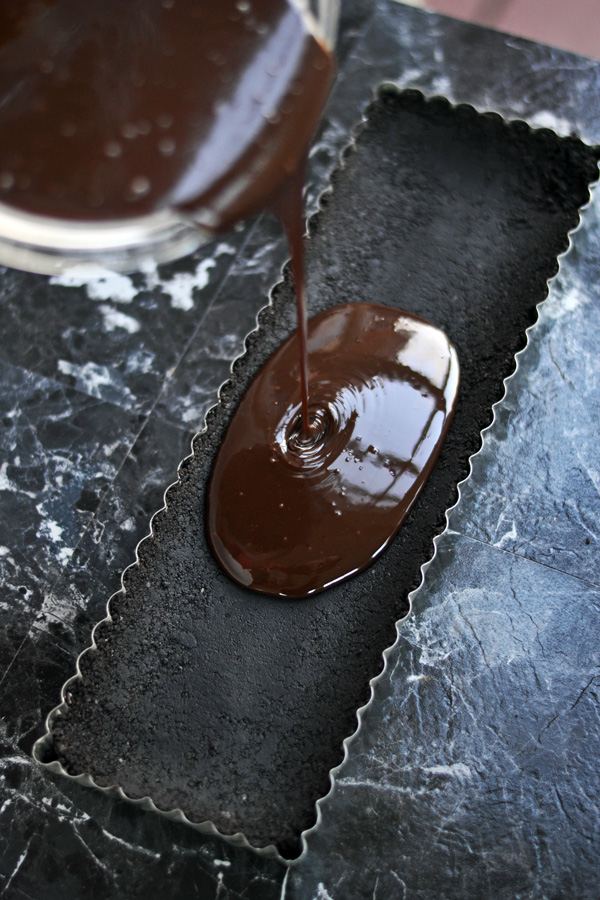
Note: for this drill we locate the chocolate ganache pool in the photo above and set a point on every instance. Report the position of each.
(292, 511)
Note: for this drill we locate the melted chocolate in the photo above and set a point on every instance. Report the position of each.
(287, 204)
(291, 514)
(113, 109)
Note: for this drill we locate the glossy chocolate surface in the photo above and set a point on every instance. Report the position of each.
(110, 110)
(291, 514)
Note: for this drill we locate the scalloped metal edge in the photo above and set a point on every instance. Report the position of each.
(208, 827)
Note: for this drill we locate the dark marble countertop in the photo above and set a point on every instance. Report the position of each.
(475, 771)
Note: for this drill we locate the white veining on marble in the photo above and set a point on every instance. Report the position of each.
(100, 283)
(323, 893)
(7, 484)
(103, 284)
(182, 285)
(544, 118)
(92, 378)
(456, 770)
(114, 318)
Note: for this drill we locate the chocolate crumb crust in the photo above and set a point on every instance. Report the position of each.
(232, 706)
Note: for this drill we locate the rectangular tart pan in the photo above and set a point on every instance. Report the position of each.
(232, 708)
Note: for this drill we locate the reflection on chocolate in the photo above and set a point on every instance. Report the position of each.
(290, 514)
(112, 109)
